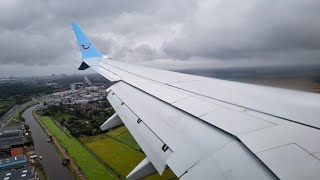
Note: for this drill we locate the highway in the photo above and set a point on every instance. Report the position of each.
(8, 114)
(52, 161)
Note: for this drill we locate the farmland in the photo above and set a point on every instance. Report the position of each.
(120, 151)
(92, 168)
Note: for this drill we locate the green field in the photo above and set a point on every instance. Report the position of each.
(120, 151)
(118, 131)
(120, 157)
(129, 140)
(87, 162)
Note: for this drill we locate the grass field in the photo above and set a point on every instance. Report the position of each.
(120, 157)
(120, 151)
(118, 131)
(128, 139)
(87, 162)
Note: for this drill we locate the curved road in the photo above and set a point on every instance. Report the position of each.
(52, 161)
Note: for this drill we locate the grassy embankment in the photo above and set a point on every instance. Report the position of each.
(91, 167)
(119, 150)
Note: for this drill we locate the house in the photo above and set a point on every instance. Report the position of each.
(16, 151)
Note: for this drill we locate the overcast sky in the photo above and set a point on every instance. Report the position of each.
(36, 37)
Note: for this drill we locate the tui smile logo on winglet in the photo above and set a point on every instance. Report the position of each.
(85, 48)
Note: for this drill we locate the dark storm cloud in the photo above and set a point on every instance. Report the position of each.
(178, 33)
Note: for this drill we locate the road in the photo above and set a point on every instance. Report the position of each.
(52, 161)
(8, 114)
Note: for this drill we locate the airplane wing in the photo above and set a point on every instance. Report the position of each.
(204, 128)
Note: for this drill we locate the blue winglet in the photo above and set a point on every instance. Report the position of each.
(88, 49)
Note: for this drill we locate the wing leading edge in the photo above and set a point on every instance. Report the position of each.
(209, 128)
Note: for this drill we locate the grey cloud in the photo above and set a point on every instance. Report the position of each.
(213, 32)
(251, 29)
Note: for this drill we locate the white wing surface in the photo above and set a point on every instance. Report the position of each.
(204, 128)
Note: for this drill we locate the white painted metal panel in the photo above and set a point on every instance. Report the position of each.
(112, 69)
(112, 122)
(235, 122)
(148, 141)
(234, 161)
(216, 102)
(158, 75)
(166, 94)
(179, 127)
(266, 117)
(158, 90)
(291, 162)
(136, 81)
(299, 106)
(143, 169)
(206, 169)
(280, 135)
(107, 74)
(184, 134)
(254, 128)
(195, 106)
(317, 155)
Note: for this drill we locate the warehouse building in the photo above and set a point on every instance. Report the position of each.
(26, 173)
(11, 137)
(13, 162)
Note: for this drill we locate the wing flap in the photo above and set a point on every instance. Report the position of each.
(281, 135)
(176, 129)
(185, 136)
(233, 161)
(147, 140)
(291, 162)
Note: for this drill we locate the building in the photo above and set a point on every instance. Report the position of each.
(16, 129)
(26, 173)
(13, 162)
(76, 86)
(16, 151)
(11, 138)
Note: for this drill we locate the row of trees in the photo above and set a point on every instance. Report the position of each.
(22, 91)
(80, 121)
(12, 93)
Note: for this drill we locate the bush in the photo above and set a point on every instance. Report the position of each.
(26, 127)
(29, 142)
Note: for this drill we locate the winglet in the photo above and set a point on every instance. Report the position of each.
(88, 49)
(83, 66)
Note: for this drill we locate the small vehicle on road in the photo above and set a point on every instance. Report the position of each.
(65, 162)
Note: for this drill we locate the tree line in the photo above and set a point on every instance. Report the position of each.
(80, 121)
